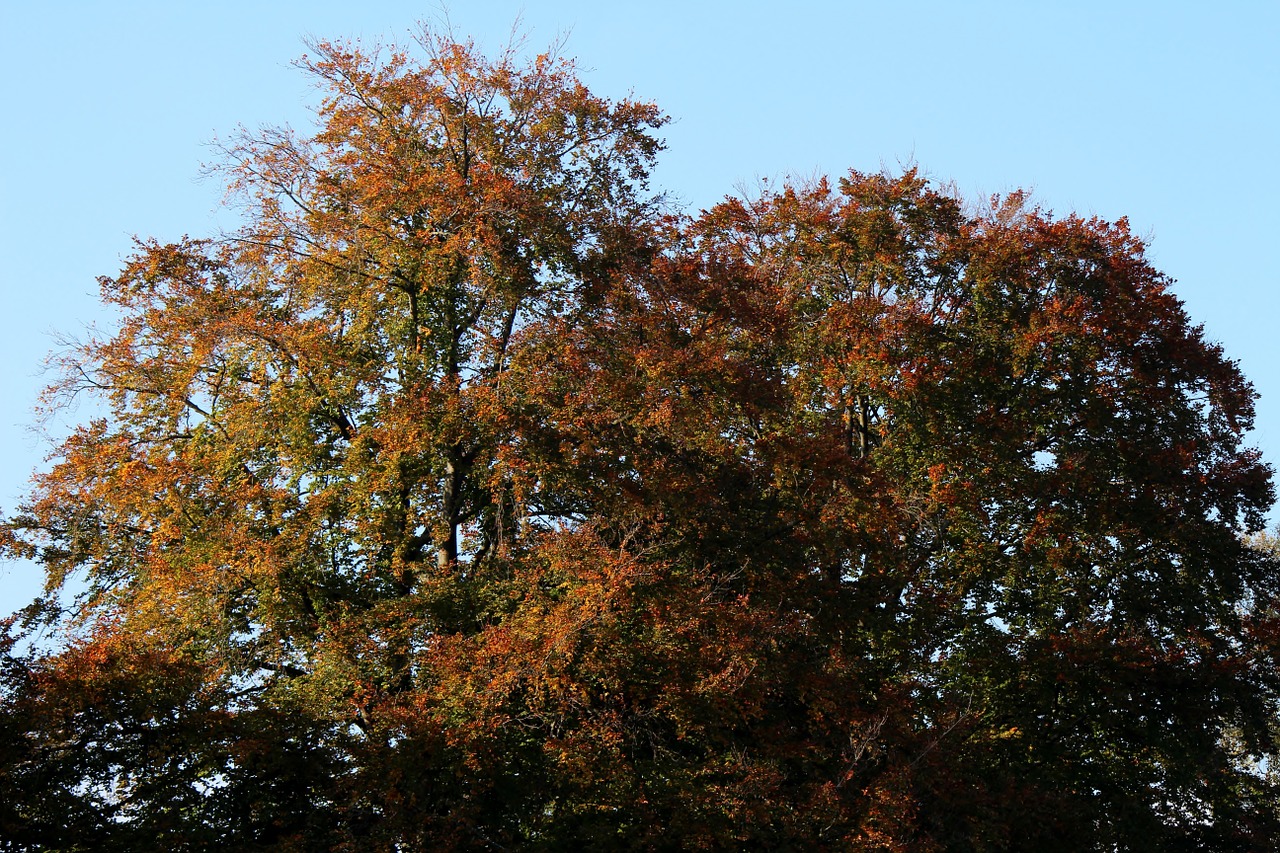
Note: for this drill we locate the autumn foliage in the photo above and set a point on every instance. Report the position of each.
(470, 497)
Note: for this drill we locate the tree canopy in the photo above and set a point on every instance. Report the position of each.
(471, 497)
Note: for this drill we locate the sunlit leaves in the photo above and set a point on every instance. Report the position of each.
(466, 497)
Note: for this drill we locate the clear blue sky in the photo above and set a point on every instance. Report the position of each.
(1165, 112)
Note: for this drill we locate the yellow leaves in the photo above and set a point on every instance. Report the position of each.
(503, 482)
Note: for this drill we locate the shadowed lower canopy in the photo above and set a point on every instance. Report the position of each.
(470, 498)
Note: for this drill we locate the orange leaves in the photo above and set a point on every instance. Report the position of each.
(566, 605)
(464, 497)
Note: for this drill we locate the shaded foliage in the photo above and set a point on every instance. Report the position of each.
(467, 498)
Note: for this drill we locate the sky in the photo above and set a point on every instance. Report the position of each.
(1167, 113)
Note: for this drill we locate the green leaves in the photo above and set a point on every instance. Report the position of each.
(461, 499)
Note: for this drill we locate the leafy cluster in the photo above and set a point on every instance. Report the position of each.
(468, 498)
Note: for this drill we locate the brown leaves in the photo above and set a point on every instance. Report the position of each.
(463, 497)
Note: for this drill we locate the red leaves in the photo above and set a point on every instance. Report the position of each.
(464, 498)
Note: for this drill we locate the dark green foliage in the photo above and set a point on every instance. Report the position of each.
(467, 500)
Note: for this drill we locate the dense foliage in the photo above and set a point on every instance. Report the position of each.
(469, 498)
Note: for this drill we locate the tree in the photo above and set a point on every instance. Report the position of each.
(469, 498)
